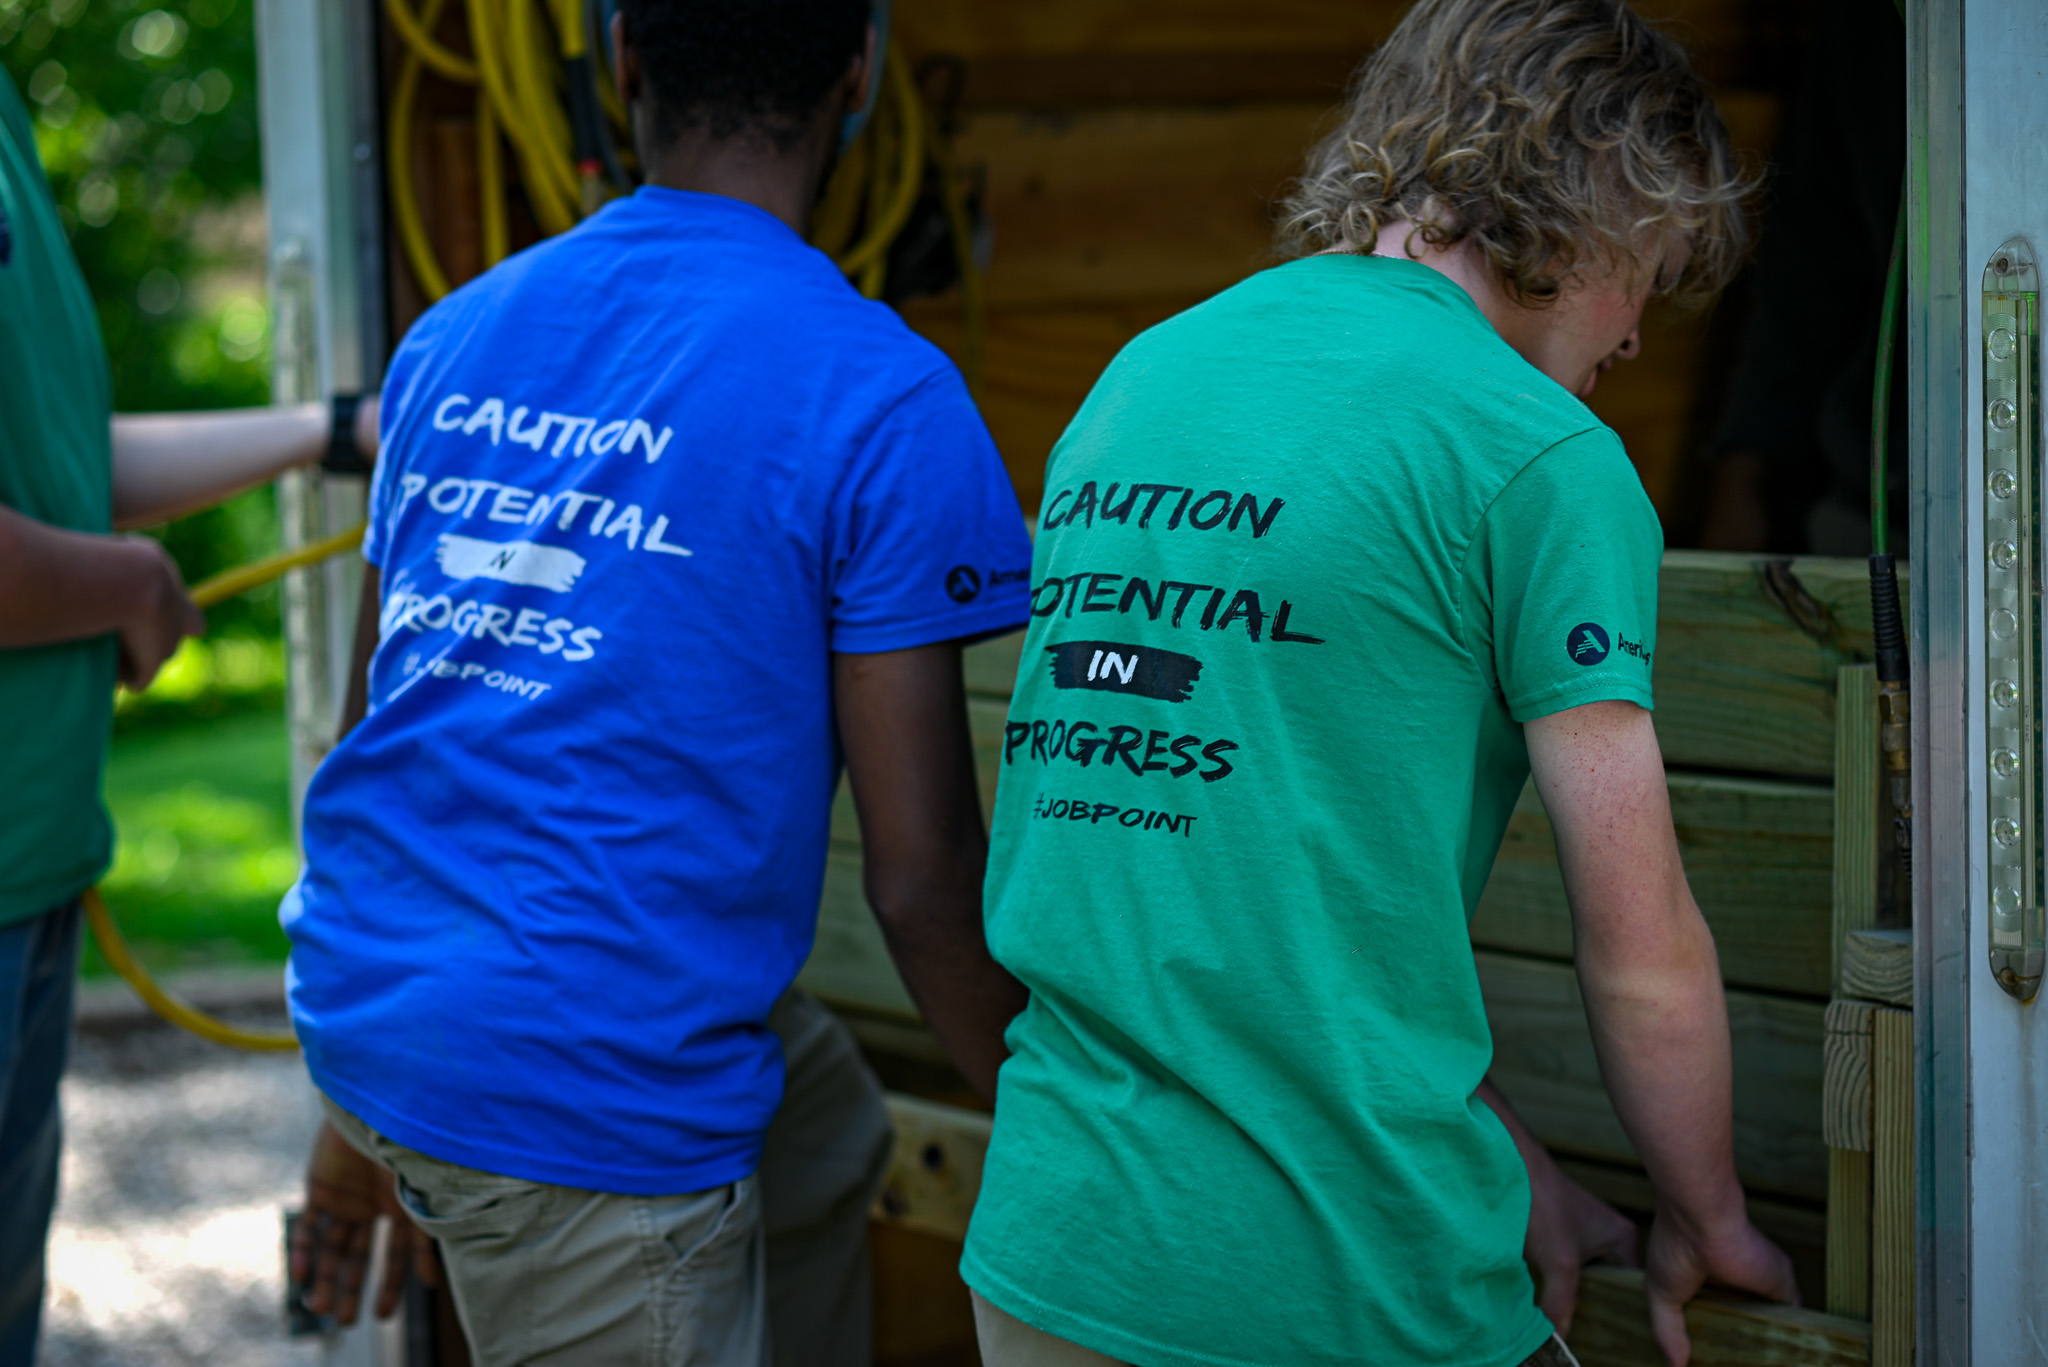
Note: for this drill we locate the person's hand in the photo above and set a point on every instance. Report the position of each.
(1568, 1228)
(163, 616)
(1681, 1261)
(330, 1253)
(367, 412)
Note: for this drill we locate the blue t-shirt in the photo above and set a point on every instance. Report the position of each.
(638, 485)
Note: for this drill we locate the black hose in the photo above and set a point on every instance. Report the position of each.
(1886, 623)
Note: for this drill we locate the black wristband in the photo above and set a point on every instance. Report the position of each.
(343, 456)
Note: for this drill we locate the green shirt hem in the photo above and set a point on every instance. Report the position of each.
(31, 900)
(1143, 1352)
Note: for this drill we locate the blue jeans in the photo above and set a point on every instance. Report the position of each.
(38, 967)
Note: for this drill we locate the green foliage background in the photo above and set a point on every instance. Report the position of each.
(146, 121)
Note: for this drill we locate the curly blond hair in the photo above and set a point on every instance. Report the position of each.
(1554, 135)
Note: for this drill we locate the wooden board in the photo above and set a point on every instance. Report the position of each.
(1878, 965)
(1037, 366)
(1130, 205)
(1856, 806)
(1892, 1286)
(1722, 35)
(1747, 654)
(1544, 1062)
(1758, 853)
(1628, 1189)
(1845, 1103)
(1176, 202)
(1611, 1329)
(1848, 1233)
(990, 667)
(935, 1169)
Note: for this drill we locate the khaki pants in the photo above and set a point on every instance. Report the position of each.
(1007, 1341)
(769, 1271)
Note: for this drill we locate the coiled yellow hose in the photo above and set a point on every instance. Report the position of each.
(113, 948)
(519, 74)
(204, 1024)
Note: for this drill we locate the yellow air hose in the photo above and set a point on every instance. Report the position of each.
(204, 1024)
(520, 64)
(105, 933)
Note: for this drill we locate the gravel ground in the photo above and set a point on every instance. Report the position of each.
(179, 1157)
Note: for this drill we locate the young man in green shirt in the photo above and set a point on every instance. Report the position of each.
(80, 610)
(1326, 566)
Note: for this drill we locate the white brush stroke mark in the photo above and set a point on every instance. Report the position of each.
(509, 562)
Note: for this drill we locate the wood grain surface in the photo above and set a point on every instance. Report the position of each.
(1544, 1062)
(1612, 1329)
(1758, 856)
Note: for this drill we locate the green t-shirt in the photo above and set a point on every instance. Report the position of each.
(56, 702)
(1311, 553)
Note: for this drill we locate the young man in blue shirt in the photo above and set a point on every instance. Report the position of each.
(669, 520)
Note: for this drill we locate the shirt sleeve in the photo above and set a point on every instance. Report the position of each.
(927, 542)
(396, 421)
(1561, 581)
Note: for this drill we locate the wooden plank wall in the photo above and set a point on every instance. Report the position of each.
(1133, 152)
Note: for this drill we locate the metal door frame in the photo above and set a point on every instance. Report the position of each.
(1977, 116)
(317, 78)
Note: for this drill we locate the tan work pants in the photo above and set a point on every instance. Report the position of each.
(769, 1271)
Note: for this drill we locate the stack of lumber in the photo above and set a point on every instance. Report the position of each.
(1746, 675)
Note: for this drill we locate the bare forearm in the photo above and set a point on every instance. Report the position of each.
(168, 464)
(934, 932)
(1645, 957)
(910, 760)
(1660, 1028)
(1653, 998)
(58, 585)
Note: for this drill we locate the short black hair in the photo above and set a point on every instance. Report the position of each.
(735, 67)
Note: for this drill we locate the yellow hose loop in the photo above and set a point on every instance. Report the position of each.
(910, 161)
(541, 190)
(405, 204)
(414, 30)
(255, 575)
(203, 1024)
(570, 29)
(105, 933)
(490, 184)
(527, 56)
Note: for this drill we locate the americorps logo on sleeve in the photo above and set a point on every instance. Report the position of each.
(963, 583)
(1586, 643)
